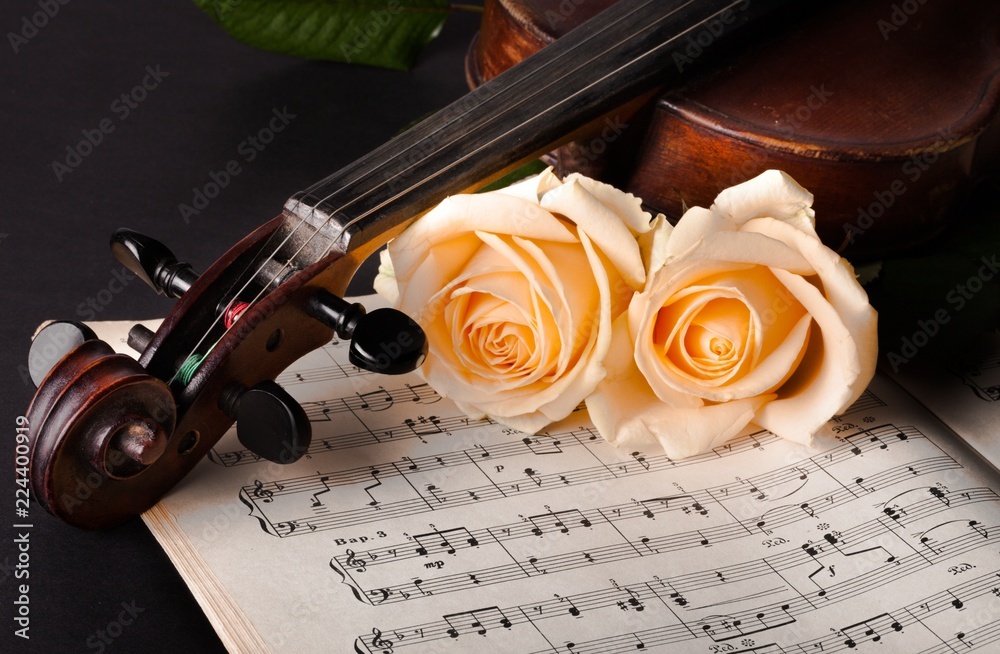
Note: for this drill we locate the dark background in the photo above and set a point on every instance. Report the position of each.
(54, 243)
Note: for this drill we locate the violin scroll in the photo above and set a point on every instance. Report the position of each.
(111, 435)
(98, 422)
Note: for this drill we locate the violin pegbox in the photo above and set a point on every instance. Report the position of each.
(269, 422)
(110, 435)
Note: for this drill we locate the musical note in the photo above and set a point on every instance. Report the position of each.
(422, 426)
(316, 502)
(939, 494)
(427, 395)
(533, 476)
(542, 445)
(534, 564)
(979, 529)
(894, 512)
(368, 489)
(377, 400)
(640, 459)
(443, 541)
(433, 490)
(633, 602)
(572, 610)
(867, 630)
(476, 620)
(560, 520)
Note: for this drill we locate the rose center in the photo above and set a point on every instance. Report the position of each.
(705, 339)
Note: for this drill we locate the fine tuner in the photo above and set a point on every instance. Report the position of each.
(111, 435)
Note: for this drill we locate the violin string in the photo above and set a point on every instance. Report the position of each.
(494, 117)
(187, 366)
(550, 109)
(362, 176)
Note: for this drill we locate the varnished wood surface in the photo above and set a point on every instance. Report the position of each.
(889, 118)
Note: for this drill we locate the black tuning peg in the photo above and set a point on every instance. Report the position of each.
(152, 262)
(385, 341)
(52, 342)
(269, 422)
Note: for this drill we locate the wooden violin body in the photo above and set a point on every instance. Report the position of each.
(888, 117)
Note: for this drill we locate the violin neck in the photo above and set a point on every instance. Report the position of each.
(630, 48)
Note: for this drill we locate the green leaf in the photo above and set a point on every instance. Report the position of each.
(386, 33)
(533, 167)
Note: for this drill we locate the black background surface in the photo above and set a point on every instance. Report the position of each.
(54, 244)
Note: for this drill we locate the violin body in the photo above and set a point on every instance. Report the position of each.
(888, 117)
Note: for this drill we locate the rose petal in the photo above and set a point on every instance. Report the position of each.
(773, 194)
(825, 379)
(626, 412)
(653, 244)
(454, 220)
(602, 225)
(558, 399)
(626, 206)
(842, 290)
(532, 188)
(385, 280)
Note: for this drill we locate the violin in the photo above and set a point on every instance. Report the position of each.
(127, 431)
(886, 111)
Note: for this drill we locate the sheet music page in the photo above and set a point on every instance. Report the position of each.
(964, 393)
(410, 529)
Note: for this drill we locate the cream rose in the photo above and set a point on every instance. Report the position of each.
(746, 318)
(517, 290)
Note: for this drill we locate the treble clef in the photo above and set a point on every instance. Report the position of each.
(353, 562)
(379, 642)
(260, 491)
